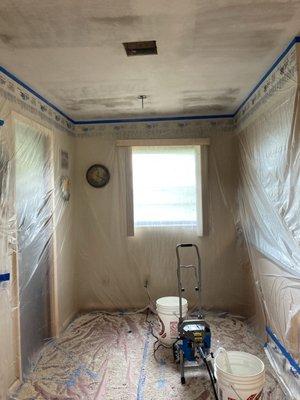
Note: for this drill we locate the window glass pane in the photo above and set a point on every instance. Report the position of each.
(164, 186)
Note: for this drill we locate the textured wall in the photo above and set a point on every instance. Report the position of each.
(112, 268)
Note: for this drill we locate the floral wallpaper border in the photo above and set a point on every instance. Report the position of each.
(285, 72)
(155, 130)
(16, 93)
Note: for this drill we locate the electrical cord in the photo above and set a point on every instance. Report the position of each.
(148, 307)
(212, 379)
(155, 350)
(211, 375)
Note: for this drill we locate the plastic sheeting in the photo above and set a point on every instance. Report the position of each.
(45, 241)
(109, 357)
(269, 199)
(32, 210)
(114, 268)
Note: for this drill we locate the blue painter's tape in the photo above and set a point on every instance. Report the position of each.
(4, 277)
(269, 71)
(155, 119)
(283, 350)
(142, 378)
(161, 382)
(27, 87)
(199, 117)
(1, 122)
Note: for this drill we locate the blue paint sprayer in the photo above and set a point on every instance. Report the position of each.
(192, 348)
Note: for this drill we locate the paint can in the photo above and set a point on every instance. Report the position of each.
(168, 313)
(240, 376)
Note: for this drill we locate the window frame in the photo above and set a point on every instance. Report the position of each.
(125, 148)
(141, 221)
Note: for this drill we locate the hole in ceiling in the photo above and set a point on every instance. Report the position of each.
(140, 48)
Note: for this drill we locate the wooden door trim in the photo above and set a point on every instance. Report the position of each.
(54, 327)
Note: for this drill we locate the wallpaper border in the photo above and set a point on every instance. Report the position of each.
(283, 69)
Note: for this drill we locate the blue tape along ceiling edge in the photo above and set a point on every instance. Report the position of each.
(295, 40)
(283, 350)
(5, 277)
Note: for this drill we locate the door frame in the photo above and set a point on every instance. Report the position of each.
(53, 283)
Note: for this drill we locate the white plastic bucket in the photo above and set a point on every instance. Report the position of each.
(240, 377)
(168, 313)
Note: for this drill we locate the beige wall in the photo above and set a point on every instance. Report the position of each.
(64, 216)
(111, 268)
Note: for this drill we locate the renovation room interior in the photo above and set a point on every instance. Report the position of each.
(128, 127)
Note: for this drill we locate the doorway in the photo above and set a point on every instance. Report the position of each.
(34, 210)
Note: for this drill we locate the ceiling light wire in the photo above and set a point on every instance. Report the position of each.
(142, 97)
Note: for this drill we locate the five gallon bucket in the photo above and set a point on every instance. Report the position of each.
(240, 376)
(168, 314)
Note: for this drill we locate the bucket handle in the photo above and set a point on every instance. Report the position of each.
(254, 398)
(222, 350)
(237, 392)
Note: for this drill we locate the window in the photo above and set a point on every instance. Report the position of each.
(165, 185)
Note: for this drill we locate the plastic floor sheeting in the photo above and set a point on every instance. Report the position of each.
(110, 357)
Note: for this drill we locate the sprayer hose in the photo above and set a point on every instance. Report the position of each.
(211, 376)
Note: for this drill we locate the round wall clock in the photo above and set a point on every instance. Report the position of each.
(98, 175)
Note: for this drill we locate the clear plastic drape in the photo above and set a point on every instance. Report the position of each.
(34, 229)
(269, 200)
(7, 241)
(32, 208)
(113, 268)
(99, 266)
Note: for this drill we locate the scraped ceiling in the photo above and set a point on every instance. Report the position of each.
(210, 53)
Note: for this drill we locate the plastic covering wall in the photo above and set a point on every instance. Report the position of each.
(269, 201)
(66, 256)
(35, 239)
(46, 240)
(113, 268)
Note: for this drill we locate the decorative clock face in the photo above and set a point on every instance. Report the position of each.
(98, 175)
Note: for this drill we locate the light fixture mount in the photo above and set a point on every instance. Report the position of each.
(142, 97)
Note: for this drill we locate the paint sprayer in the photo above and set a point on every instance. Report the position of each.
(192, 347)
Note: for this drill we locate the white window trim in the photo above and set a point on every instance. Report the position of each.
(162, 142)
(201, 179)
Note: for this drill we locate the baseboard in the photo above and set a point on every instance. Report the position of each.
(13, 388)
(67, 321)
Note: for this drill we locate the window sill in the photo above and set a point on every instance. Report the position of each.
(179, 224)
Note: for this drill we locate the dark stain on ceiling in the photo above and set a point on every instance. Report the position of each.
(211, 53)
(122, 21)
(221, 98)
(130, 102)
(62, 24)
(248, 12)
(205, 109)
(6, 39)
